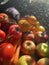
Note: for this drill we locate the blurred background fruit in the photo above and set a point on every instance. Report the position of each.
(13, 13)
(43, 61)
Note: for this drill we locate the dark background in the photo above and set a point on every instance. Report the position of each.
(38, 8)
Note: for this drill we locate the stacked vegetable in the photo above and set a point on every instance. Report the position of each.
(22, 40)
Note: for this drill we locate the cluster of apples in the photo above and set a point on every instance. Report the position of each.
(21, 39)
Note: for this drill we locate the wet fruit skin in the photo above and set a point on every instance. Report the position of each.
(42, 50)
(28, 47)
(5, 25)
(7, 51)
(15, 32)
(28, 21)
(31, 19)
(29, 35)
(43, 61)
(40, 37)
(3, 17)
(24, 24)
(41, 28)
(26, 60)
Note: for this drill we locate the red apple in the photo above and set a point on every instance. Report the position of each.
(26, 60)
(28, 47)
(5, 26)
(43, 61)
(29, 35)
(40, 37)
(14, 32)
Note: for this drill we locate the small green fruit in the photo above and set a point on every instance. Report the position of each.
(43, 49)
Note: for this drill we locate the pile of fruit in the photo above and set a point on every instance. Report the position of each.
(22, 40)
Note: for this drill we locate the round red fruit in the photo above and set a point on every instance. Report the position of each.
(3, 17)
(28, 47)
(7, 51)
(15, 32)
(29, 35)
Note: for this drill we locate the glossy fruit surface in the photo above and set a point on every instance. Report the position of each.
(40, 37)
(41, 28)
(24, 24)
(4, 17)
(43, 61)
(43, 50)
(28, 47)
(26, 60)
(15, 32)
(7, 51)
(29, 35)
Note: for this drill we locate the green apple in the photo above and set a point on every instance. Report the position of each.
(43, 50)
(26, 60)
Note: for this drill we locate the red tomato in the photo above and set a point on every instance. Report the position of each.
(7, 51)
(2, 35)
